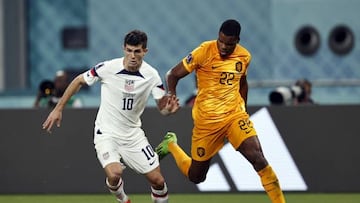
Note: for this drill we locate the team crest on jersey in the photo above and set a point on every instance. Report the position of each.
(238, 66)
(129, 85)
(189, 58)
(200, 151)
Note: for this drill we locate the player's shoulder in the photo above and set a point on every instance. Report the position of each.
(206, 49)
(109, 63)
(114, 61)
(114, 64)
(208, 44)
(242, 50)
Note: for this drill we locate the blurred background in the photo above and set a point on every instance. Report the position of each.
(45, 43)
(289, 40)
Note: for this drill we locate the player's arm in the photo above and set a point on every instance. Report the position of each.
(56, 114)
(173, 76)
(168, 104)
(72, 89)
(244, 89)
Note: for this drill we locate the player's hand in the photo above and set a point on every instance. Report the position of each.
(169, 104)
(173, 104)
(53, 118)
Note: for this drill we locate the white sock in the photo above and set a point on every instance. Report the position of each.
(118, 191)
(160, 196)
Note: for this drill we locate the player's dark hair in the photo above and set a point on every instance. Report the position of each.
(231, 27)
(136, 37)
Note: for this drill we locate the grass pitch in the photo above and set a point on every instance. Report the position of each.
(188, 198)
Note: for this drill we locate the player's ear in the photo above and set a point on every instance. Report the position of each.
(145, 50)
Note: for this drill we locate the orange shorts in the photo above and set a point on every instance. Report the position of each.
(209, 137)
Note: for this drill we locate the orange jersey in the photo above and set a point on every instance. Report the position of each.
(219, 110)
(218, 81)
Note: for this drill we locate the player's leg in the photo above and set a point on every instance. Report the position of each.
(169, 145)
(198, 170)
(251, 149)
(159, 190)
(206, 141)
(115, 183)
(143, 160)
(195, 170)
(243, 137)
(110, 161)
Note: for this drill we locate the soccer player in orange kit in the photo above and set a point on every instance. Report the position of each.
(219, 111)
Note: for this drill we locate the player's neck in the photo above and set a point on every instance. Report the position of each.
(134, 68)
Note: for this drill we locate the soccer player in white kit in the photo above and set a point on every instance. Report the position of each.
(126, 84)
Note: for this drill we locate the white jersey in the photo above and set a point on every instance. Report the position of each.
(124, 96)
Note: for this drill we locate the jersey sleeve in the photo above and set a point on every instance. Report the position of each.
(247, 63)
(195, 58)
(245, 56)
(158, 91)
(92, 76)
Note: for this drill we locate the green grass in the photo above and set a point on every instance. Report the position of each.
(188, 198)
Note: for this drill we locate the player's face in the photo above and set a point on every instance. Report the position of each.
(226, 44)
(133, 56)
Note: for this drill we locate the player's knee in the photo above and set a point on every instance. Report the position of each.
(158, 183)
(198, 170)
(260, 163)
(197, 178)
(113, 173)
(113, 178)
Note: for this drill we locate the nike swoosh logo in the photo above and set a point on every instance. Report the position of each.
(151, 163)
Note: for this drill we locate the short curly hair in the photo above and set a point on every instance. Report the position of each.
(231, 27)
(136, 37)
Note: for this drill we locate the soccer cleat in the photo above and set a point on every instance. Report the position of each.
(127, 201)
(162, 149)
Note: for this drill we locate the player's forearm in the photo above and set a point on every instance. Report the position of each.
(173, 76)
(72, 89)
(244, 88)
(171, 82)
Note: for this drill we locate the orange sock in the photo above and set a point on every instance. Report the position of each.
(271, 185)
(183, 161)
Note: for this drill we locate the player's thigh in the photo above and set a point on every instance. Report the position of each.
(106, 150)
(206, 142)
(239, 130)
(252, 151)
(140, 157)
(197, 168)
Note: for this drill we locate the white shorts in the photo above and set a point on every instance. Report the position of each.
(138, 156)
